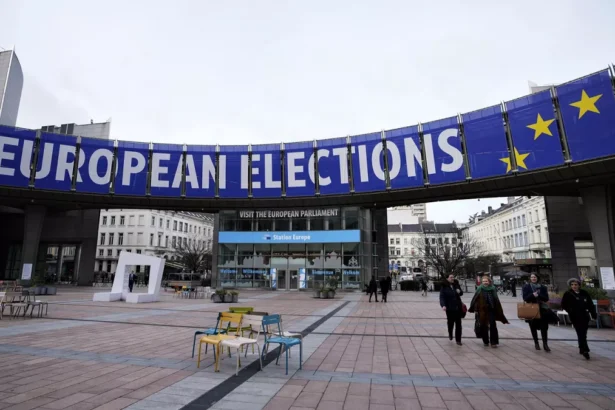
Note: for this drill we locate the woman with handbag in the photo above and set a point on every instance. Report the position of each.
(450, 301)
(488, 308)
(536, 293)
(579, 306)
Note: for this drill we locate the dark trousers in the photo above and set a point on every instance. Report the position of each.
(490, 333)
(453, 319)
(513, 289)
(581, 328)
(542, 325)
(130, 285)
(373, 293)
(384, 296)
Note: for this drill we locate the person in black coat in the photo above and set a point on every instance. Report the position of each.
(513, 287)
(131, 281)
(534, 292)
(373, 289)
(384, 288)
(579, 306)
(450, 301)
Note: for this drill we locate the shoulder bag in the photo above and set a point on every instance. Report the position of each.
(528, 311)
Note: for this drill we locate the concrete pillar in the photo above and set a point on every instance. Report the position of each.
(34, 217)
(214, 252)
(379, 217)
(598, 203)
(87, 256)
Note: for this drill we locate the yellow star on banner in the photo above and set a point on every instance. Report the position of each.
(541, 127)
(587, 103)
(520, 158)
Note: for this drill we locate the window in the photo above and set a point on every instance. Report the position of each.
(503, 227)
(104, 220)
(397, 251)
(102, 238)
(101, 252)
(514, 222)
(109, 252)
(166, 241)
(174, 225)
(122, 220)
(537, 219)
(185, 242)
(168, 223)
(523, 219)
(405, 241)
(100, 266)
(153, 220)
(405, 251)
(108, 267)
(186, 228)
(159, 239)
(174, 242)
(396, 241)
(120, 239)
(392, 241)
(392, 251)
(529, 216)
(140, 238)
(118, 252)
(128, 250)
(181, 226)
(111, 238)
(544, 213)
(532, 236)
(113, 220)
(151, 239)
(131, 220)
(524, 238)
(138, 251)
(141, 220)
(130, 239)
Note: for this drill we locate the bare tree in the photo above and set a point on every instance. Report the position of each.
(445, 252)
(194, 254)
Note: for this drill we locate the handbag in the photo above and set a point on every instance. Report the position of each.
(477, 331)
(528, 311)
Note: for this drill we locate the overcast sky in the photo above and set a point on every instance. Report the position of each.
(206, 72)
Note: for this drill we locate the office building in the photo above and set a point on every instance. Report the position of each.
(11, 84)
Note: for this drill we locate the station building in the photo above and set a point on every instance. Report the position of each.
(295, 249)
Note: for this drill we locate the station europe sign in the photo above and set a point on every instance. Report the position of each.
(282, 237)
(569, 123)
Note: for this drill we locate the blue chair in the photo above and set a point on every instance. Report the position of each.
(285, 342)
(208, 332)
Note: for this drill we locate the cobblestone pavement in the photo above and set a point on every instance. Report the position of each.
(357, 355)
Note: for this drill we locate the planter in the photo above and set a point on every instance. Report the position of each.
(36, 290)
(324, 295)
(51, 290)
(235, 298)
(43, 290)
(317, 294)
(228, 298)
(330, 294)
(216, 298)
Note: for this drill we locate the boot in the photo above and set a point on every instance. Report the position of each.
(545, 340)
(535, 337)
(536, 345)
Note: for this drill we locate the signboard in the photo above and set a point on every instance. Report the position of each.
(349, 236)
(608, 279)
(26, 273)
(291, 213)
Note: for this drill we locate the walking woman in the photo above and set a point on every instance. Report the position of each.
(488, 308)
(534, 292)
(450, 301)
(423, 287)
(579, 306)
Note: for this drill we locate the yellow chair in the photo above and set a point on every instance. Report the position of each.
(227, 320)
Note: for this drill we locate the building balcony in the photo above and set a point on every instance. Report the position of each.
(539, 246)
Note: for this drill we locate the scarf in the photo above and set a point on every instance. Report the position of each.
(491, 294)
(536, 288)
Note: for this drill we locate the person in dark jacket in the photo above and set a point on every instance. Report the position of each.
(373, 289)
(390, 283)
(423, 287)
(488, 308)
(579, 306)
(384, 288)
(534, 292)
(513, 287)
(450, 301)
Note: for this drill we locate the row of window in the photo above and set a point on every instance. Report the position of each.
(518, 239)
(432, 241)
(183, 226)
(176, 241)
(515, 222)
(345, 219)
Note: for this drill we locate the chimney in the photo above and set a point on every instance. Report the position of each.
(490, 209)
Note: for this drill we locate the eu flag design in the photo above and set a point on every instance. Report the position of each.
(534, 133)
(486, 141)
(588, 114)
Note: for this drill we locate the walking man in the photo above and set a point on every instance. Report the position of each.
(131, 281)
(373, 289)
(384, 288)
(513, 287)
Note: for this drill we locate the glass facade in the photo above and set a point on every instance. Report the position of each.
(291, 265)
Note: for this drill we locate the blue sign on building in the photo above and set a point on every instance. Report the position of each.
(350, 236)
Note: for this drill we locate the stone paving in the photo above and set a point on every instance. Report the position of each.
(357, 355)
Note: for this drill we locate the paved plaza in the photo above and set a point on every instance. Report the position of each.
(357, 356)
